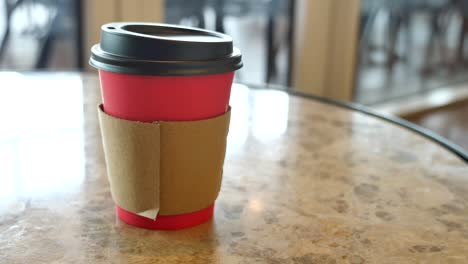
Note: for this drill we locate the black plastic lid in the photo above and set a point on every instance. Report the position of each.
(161, 49)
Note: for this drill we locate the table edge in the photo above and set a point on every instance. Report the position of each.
(438, 139)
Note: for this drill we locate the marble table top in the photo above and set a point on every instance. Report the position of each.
(304, 182)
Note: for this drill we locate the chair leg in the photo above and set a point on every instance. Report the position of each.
(4, 43)
(9, 8)
(270, 60)
(219, 13)
(46, 45)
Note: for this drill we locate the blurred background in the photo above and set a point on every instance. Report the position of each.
(408, 47)
(40, 35)
(402, 57)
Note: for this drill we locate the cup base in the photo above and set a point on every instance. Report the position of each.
(167, 222)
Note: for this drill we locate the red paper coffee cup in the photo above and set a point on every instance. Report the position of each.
(157, 72)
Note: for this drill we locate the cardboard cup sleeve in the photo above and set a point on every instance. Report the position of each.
(164, 167)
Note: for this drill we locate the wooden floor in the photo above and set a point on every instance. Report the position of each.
(450, 122)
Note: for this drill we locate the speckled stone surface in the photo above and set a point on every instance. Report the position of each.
(304, 182)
